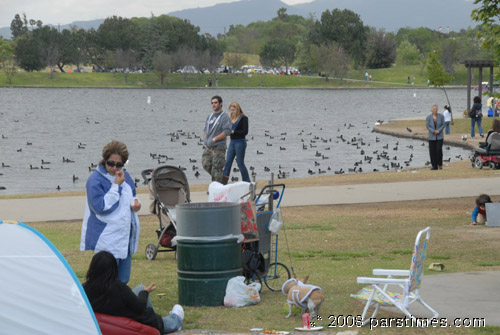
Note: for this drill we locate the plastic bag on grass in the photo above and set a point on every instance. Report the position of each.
(238, 294)
(276, 222)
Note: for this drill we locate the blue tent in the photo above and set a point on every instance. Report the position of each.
(40, 293)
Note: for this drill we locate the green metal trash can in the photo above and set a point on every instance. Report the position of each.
(207, 258)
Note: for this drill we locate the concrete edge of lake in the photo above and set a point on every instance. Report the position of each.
(397, 86)
(401, 131)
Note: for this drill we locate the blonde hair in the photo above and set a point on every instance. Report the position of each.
(238, 112)
(114, 147)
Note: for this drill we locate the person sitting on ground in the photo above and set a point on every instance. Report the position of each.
(479, 212)
(108, 295)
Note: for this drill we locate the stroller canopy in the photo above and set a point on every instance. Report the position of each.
(170, 185)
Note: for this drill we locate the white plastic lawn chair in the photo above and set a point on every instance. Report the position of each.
(377, 294)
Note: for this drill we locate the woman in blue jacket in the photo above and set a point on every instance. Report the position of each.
(435, 125)
(110, 221)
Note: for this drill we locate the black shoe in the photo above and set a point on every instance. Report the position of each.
(482, 135)
(440, 167)
(434, 168)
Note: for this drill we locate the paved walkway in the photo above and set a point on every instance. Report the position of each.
(71, 208)
(454, 295)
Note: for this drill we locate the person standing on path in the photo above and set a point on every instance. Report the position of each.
(238, 144)
(490, 103)
(435, 125)
(447, 119)
(217, 128)
(476, 116)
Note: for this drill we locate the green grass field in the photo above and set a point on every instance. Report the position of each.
(332, 244)
(391, 77)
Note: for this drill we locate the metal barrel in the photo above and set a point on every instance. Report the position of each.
(206, 257)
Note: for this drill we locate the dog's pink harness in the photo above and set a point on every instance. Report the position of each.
(299, 295)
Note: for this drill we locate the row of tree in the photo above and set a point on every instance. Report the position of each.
(330, 45)
(119, 43)
(339, 39)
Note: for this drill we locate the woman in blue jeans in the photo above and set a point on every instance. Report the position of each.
(476, 116)
(238, 144)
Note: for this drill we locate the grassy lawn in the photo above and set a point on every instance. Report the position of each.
(175, 80)
(391, 77)
(332, 244)
(399, 74)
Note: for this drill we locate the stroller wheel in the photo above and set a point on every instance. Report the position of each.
(478, 163)
(151, 251)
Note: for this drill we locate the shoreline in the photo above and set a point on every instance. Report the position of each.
(420, 87)
(454, 170)
(421, 137)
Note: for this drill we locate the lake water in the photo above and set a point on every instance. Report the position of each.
(295, 129)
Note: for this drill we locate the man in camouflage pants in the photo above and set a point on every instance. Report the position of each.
(217, 128)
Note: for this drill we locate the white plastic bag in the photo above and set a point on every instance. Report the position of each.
(227, 193)
(238, 294)
(276, 222)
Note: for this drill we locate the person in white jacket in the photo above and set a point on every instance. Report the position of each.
(447, 119)
(110, 221)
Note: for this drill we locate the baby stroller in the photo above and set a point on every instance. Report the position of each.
(168, 186)
(488, 153)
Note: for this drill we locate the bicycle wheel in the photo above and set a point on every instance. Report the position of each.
(254, 278)
(276, 276)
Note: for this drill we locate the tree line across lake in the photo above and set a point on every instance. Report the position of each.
(330, 45)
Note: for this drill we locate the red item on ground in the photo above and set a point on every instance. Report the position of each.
(117, 325)
(306, 321)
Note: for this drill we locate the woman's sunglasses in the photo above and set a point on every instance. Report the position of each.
(113, 164)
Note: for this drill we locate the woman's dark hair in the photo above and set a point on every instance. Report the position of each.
(114, 147)
(496, 126)
(482, 200)
(477, 100)
(102, 272)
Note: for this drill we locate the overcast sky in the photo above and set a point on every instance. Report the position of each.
(67, 11)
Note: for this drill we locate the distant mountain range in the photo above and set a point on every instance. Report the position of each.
(387, 14)
(6, 33)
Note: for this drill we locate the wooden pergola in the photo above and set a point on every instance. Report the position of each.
(469, 64)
